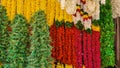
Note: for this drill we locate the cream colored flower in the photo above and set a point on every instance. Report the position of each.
(115, 8)
(71, 6)
(92, 7)
(103, 1)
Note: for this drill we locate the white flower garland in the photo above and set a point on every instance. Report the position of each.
(103, 1)
(71, 6)
(92, 7)
(87, 24)
(62, 2)
(115, 8)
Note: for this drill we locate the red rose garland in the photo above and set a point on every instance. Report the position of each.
(96, 49)
(89, 50)
(93, 49)
(69, 46)
(60, 35)
(53, 35)
(85, 56)
(78, 47)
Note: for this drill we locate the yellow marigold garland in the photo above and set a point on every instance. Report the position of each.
(37, 5)
(28, 9)
(50, 11)
(4, 2)
(57, 10)
(95, 28)
(19, 6)
(8, 7)
(33, 6)
(43, 5)
(13, 9)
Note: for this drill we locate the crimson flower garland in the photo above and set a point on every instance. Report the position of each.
(89, 50)
(75, 47)
(85, 49)
(77, 37)
(96, 49)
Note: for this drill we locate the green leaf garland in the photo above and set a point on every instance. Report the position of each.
(40, 56)
(107, 35)
(18, 42)
(3, 34)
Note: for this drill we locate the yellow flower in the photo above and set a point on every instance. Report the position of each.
(19, 6)
(32, 3)
(43, 5)
(57, 9)
(28, 9)
(13, 9)
(37, 5)
(8, 7)
(95, 28)
(68, 66)
(4, 2)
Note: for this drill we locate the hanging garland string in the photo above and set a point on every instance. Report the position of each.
(107, 35)
(77, 48)
(40, 56)
(3, 35)
(17, 45)
(85, 49)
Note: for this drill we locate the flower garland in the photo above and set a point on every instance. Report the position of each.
(3, 35)
(89, 51)
(103, 1)
(51, 14)
(96, 49)
(94, 11)
(8, 7)
(83, 17)
(40, 50)
(115, 8)
(43, 5)
(107, 35)
(33, 6)
(53, 35)
(19, 6)
(4, 3)
(13, 9)
(70, 6)
(85, 50)
(17, 44)
(77, 35)
(27, 12)
(37, 5)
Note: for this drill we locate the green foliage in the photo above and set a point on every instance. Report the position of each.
(58, 24)
(107, 35)
(18, 42)
(68, 24)
(79, 25)
(3, 34)
(40, 49)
